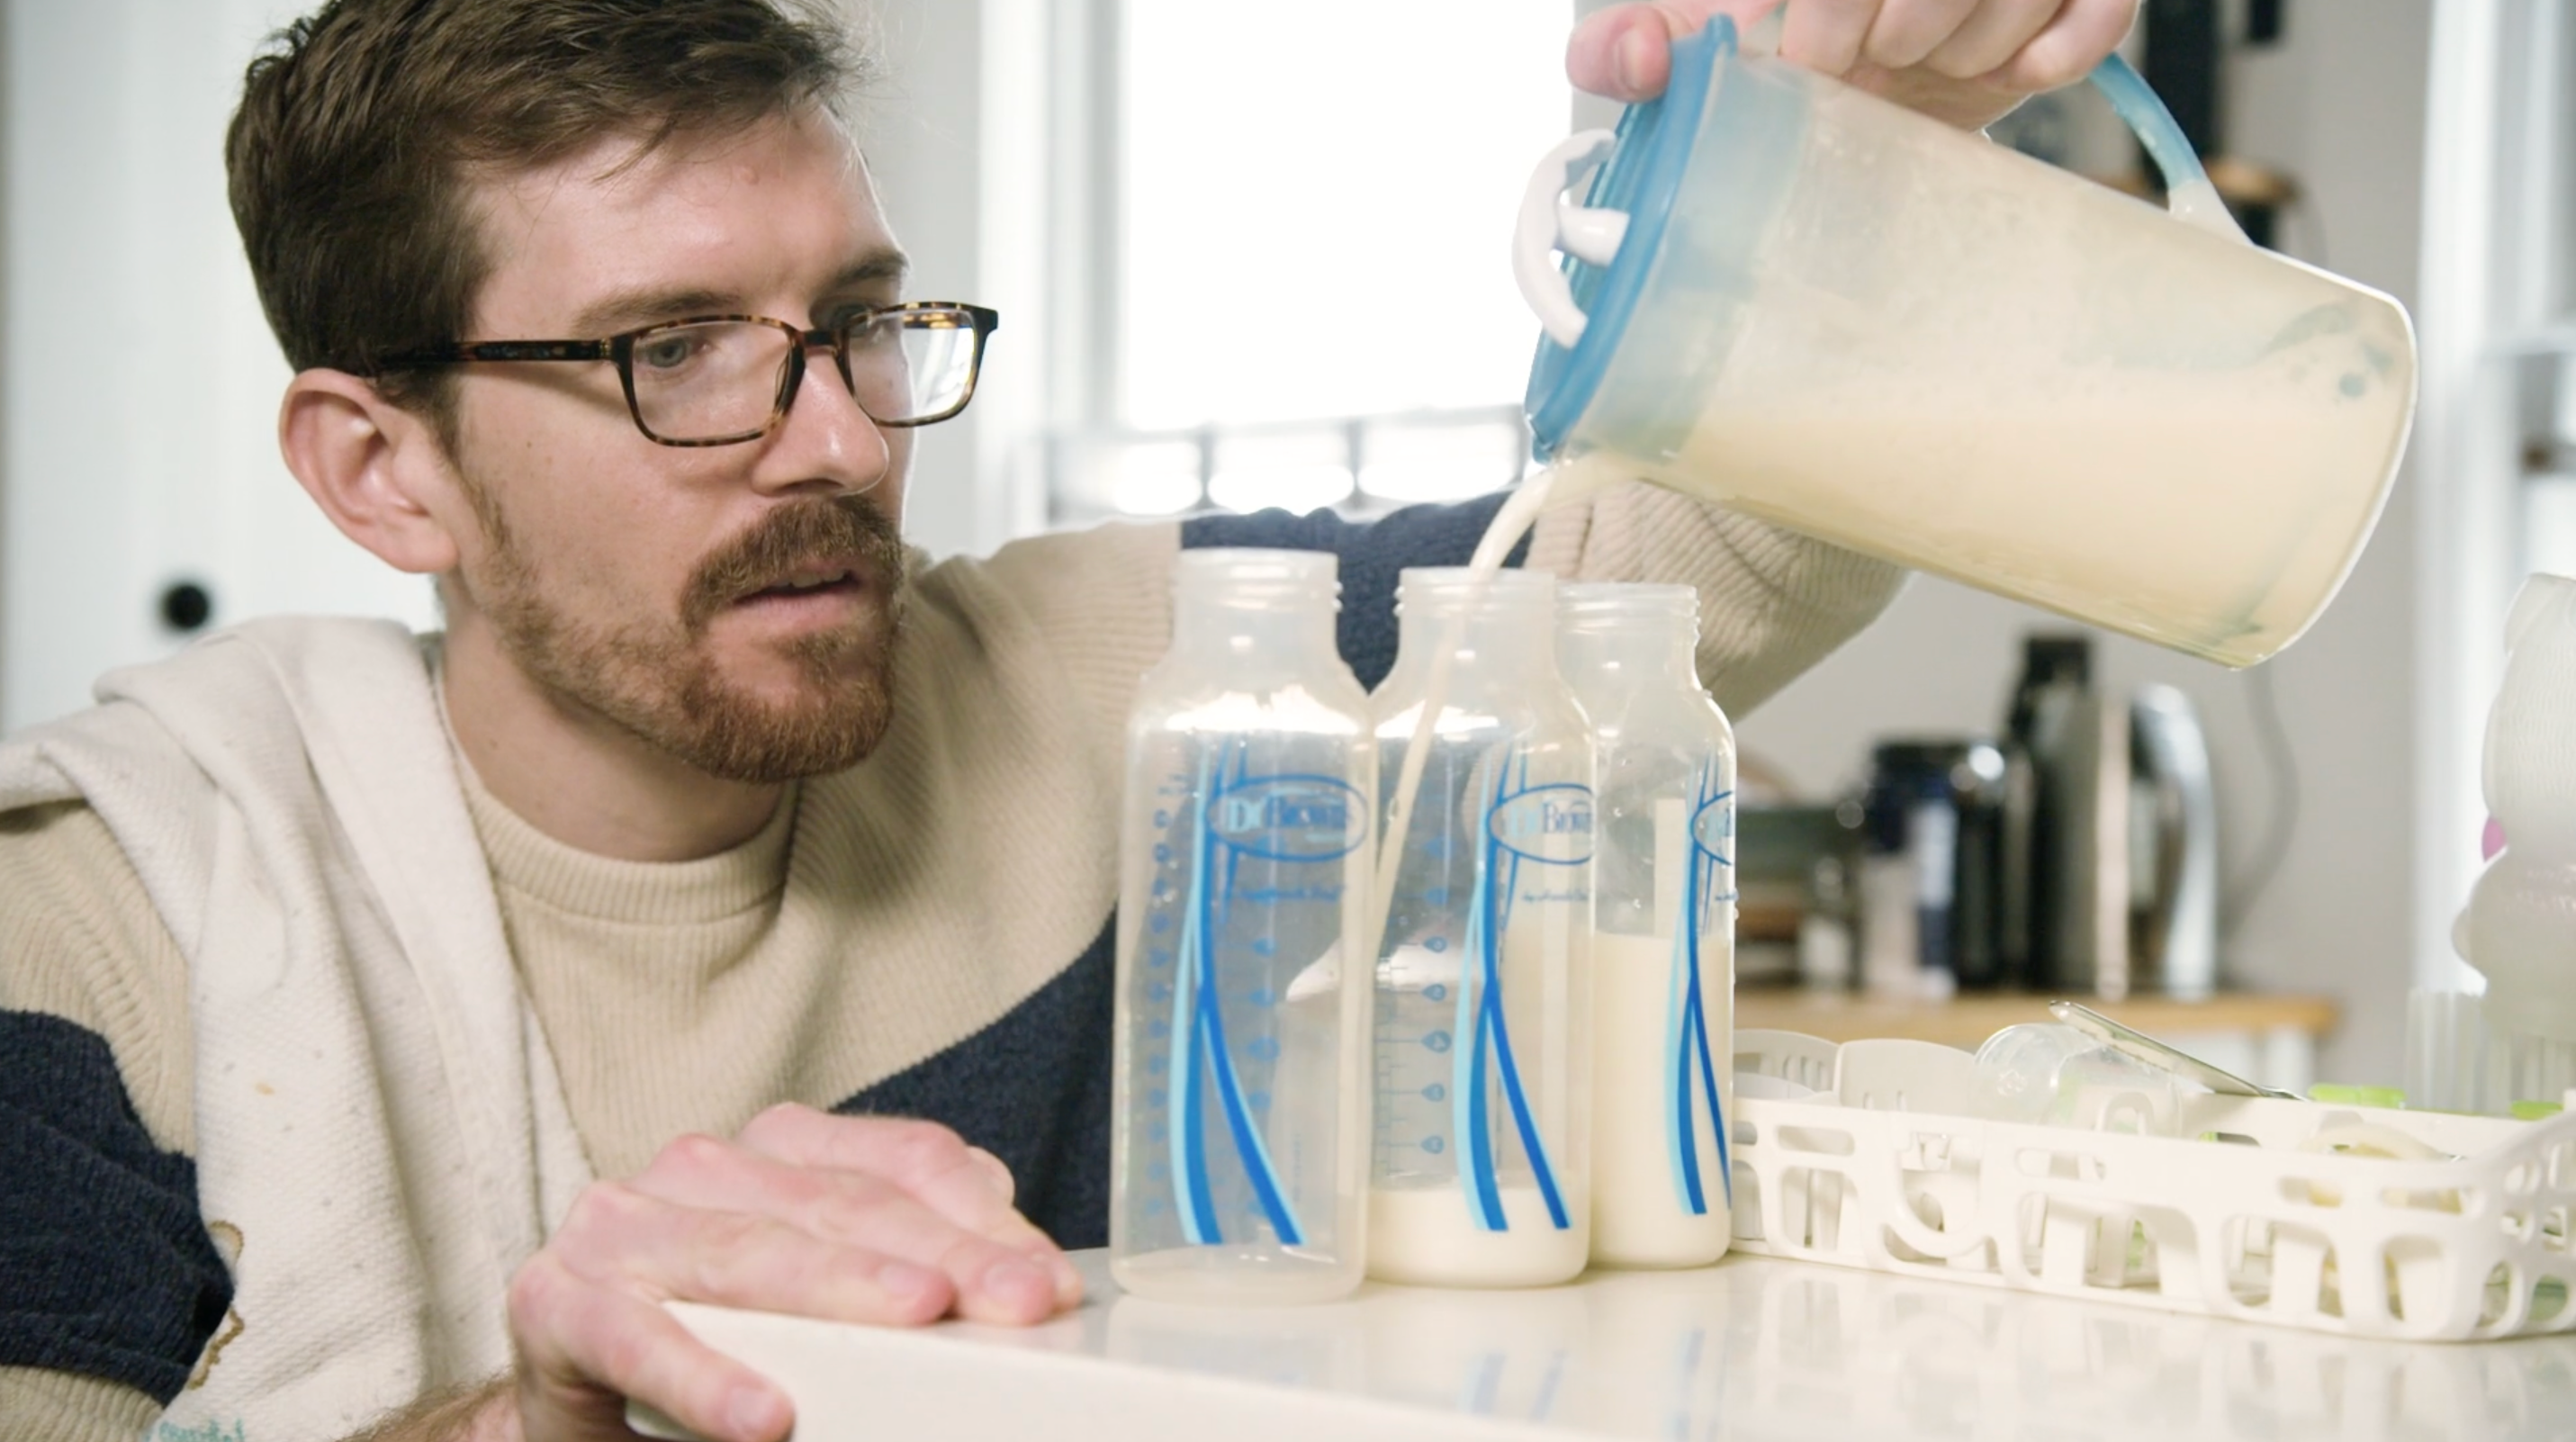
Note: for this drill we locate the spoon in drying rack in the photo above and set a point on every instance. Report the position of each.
(2130, 1042)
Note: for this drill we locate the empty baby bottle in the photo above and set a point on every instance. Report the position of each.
(2050, 1074)
(1663, 944)
(1238, 1150)
(1481, 1168)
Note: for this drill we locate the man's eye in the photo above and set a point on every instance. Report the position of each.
(667, 352)
(875, 333)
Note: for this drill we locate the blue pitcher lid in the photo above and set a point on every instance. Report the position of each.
(1641, 177)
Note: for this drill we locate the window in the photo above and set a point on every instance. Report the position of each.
(2495, 440)
(1309, 215)
(2536, 334)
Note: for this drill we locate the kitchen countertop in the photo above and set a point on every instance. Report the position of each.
(1751, 1349)
(1966, 1020)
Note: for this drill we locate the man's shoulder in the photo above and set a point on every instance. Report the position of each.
(1074, 614)
(1057, 565)
(81, 942)
(235, 694)
(97, 1118)
(59, 863)
(63, 822)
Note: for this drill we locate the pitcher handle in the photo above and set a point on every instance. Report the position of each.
(2187, 188)
(1548, 222)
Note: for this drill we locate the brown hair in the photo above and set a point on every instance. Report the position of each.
(362, 125)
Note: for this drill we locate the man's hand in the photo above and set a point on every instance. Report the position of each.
(854, 1219)
(1963, 61)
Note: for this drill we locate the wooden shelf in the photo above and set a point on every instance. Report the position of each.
(1966, 1021)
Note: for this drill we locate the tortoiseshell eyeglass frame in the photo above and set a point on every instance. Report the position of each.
(620, 348)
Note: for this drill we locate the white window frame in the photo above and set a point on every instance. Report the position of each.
(1051, 262)
(2495, 327)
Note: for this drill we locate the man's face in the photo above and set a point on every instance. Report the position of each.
(735, 606)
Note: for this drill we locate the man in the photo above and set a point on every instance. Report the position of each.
(335, 968)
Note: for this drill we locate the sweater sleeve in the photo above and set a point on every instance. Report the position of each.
(67, 1407)
(1096, 604)
(110, 1285)
(1772, 602)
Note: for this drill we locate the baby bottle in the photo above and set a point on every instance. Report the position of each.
(1663, 915)
(1238, 1150)
(1481, 1168)
(2049, 1074)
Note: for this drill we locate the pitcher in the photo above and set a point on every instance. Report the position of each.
(1815, 307)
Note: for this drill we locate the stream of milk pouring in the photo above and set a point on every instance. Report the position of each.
(1559, 485)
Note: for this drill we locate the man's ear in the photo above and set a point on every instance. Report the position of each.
(376, 469)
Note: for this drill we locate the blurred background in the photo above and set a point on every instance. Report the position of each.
(1256, 255)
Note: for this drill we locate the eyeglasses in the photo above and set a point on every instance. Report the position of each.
(719, 380)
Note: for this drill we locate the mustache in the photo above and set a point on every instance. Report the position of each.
(795, 535)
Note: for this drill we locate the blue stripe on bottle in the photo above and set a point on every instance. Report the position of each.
(1193, 1193)
(1486, 918)
(1708, 1079)
(1711, 896)
(1198, 1023)
(1248, 1143)
(1467, 1080)
(1679, 1138)
(1687, 1040)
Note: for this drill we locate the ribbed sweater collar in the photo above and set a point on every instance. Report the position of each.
(643, 893)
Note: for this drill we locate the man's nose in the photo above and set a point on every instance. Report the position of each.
(825, 436)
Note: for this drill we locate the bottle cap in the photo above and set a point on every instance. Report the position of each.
(1449, 587)
(1640, 178)
(1590, 604)
(1257, 577)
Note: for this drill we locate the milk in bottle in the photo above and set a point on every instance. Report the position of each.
(1480, 1166)
(1663, 948)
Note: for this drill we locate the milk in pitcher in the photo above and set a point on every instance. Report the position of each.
(1786, 296)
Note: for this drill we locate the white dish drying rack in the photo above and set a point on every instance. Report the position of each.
(2295, 1213)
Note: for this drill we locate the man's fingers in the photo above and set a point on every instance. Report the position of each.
(967, 1185)
(1905, 31)
(585, 1348)
(1991, 35)
(1961, 61)
(620, 1237)
(1826, 35)
(993, 1282)
(716, 1222)
(2073, 43)
(1626, 51)
(924, 1158)
(997, 1172)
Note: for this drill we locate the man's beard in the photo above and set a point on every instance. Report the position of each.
(657, 681)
